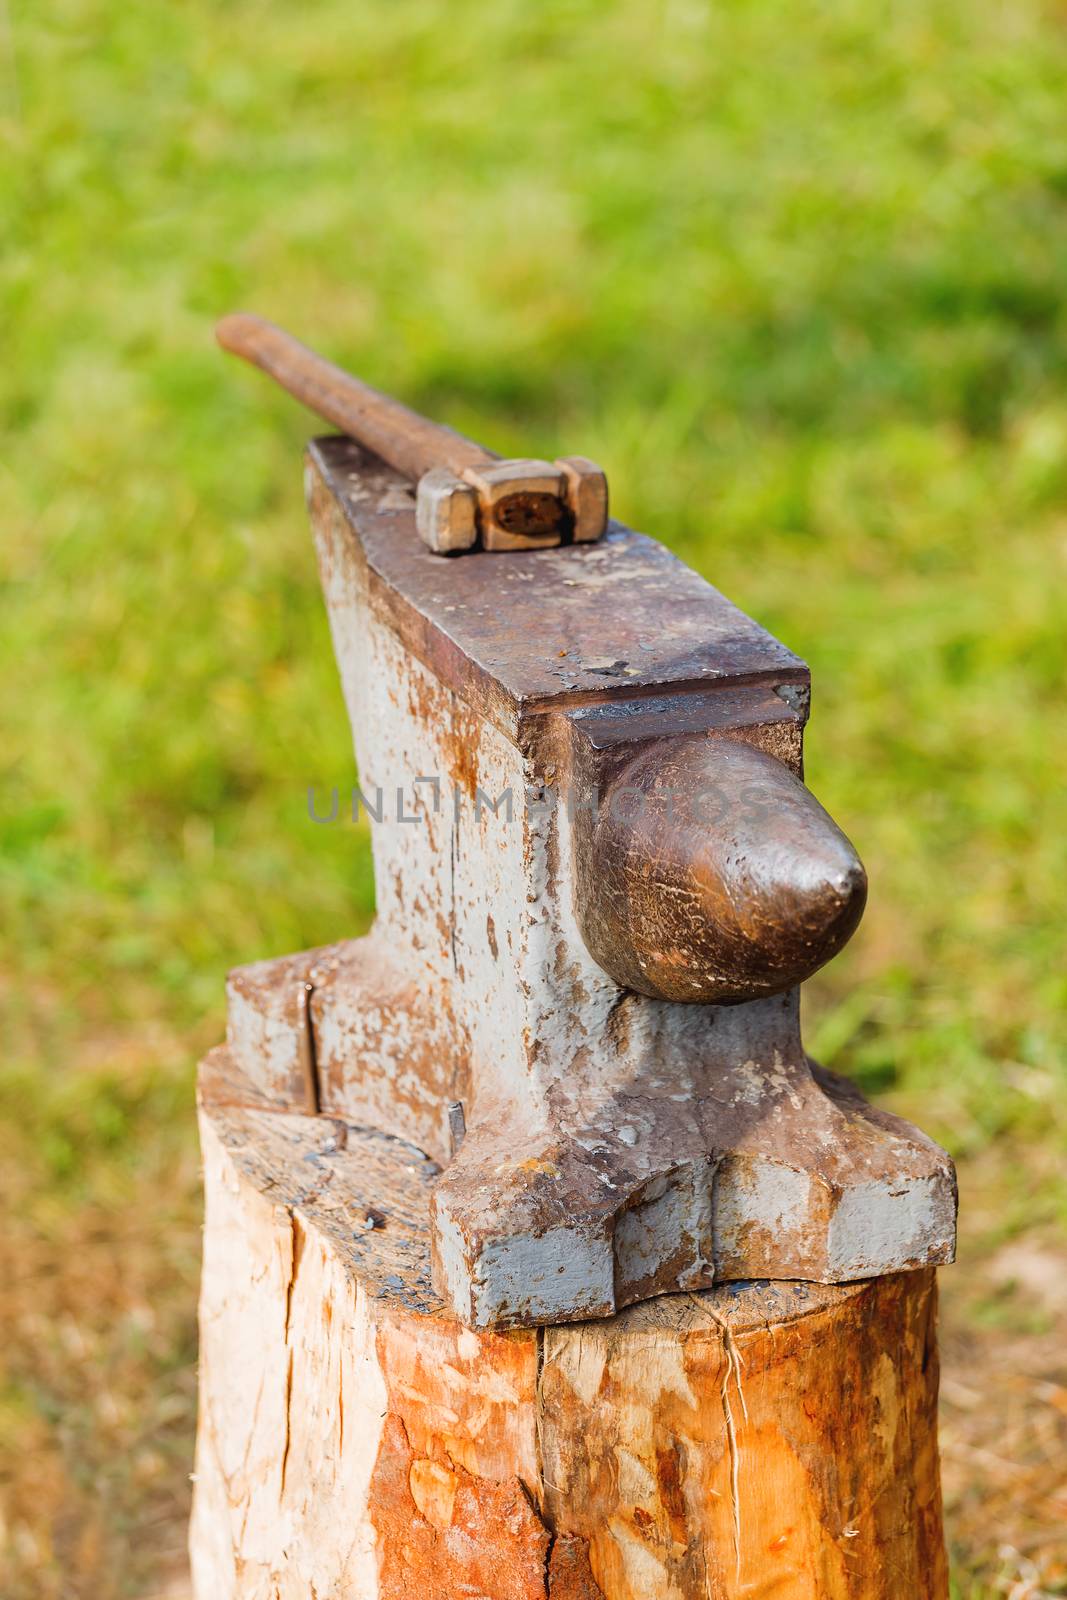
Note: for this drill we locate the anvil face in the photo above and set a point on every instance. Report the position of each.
(599, 883)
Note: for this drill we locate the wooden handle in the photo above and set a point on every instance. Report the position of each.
(712, 874)
(406, 441)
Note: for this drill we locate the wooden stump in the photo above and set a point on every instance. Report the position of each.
(356, 1441)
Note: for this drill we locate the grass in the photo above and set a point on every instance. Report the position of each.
(793, 274)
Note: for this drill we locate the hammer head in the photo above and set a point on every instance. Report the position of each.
(512, 505)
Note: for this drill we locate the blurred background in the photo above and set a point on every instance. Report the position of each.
(796, 276)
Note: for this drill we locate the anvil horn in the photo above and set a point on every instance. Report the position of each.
(712, 874)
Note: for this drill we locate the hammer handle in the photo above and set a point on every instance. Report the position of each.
(406, 441)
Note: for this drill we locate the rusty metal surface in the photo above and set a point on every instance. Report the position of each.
(619, 619)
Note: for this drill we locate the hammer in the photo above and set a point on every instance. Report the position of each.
(467, 496)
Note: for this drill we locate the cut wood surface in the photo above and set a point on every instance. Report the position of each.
(356, 1442)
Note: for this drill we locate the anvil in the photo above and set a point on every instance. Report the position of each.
(600, 881)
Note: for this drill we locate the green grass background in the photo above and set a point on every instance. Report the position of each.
(794, 274)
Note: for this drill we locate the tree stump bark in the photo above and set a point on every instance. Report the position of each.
(771, 1441)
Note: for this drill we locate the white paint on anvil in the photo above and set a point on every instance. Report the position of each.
(365, 1052)
(491, 879)
(395, 707)
(775, 1198)
(674, 1207)
(541, 1273)
(266, 1044)
(413, 862)
(570, 997)
(755, 1079)
(890, 1224)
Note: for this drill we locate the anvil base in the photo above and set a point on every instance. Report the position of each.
(725, 1155)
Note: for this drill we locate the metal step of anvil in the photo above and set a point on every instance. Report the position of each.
(600, 881)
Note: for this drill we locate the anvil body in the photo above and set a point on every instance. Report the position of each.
(617, 1145)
